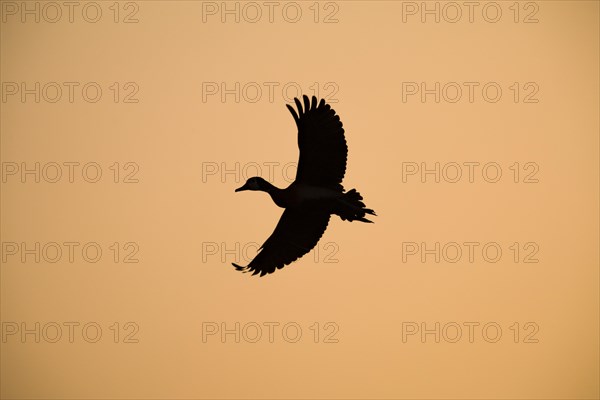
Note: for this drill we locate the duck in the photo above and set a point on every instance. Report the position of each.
(316, 193)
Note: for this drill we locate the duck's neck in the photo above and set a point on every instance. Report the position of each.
(275, 193)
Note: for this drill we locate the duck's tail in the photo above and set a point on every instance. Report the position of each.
(350, 207)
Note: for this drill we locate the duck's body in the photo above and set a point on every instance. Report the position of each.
(315, 194)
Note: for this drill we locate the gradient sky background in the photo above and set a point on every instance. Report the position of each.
(362, 289)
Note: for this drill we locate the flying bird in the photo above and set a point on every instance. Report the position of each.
(314, 196)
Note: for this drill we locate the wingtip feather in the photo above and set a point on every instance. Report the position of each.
(240, 267)
(294, 113)
(306, 103)
(299, 105)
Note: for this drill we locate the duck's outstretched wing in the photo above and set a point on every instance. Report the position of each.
(298, 231)
(323, 149)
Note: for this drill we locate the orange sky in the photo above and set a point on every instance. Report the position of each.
(497, 180)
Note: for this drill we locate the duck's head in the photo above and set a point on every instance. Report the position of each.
(254, 183)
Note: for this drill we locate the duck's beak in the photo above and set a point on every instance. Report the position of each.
(240, 189)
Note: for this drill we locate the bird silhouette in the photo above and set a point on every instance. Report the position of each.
(314, 196)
